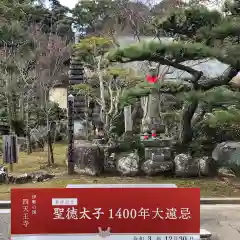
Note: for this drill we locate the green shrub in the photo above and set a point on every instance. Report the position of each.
(129, 143)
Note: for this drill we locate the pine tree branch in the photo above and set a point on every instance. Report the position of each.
(163, 61)
(219, 81)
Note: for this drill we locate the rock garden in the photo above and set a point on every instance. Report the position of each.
(161, 110)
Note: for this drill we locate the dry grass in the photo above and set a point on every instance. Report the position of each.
(38, 160)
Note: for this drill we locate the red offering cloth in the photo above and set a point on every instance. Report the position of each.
(151, 79)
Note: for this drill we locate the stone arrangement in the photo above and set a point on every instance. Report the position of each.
(157, 147)
(8, 178)
(157, 156)
(98, 156)
(89, 158)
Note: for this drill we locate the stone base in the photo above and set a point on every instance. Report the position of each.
(158, 154)
(164, 142)
(99, 141)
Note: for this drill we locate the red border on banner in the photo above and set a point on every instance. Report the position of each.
(157, 210)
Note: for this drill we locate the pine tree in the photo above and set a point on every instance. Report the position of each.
(199, 34)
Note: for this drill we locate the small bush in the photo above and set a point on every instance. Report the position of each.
(131, 143)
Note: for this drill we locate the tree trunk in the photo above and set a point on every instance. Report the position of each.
(9, 110)
(106, 123)
(50, 148)
(200, 113)
(9, 97)
(186, 132)
(14, 108)
(102, 90)
(28, 138)
(48, 152)
(87, 116)
(21, 107)
(9, 105)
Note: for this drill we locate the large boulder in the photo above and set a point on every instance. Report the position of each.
(88, 157)
(186, 166)
(227, 154)
(152, 168)
(128, 165)
(224, 172)
(207, 166)
(235, 81)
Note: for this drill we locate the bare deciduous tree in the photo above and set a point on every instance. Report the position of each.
(110, 80)
(50, 53)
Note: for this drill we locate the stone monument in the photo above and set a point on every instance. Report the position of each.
(128, 122)
(158, 154)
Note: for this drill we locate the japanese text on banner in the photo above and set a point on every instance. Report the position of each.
(25, 211)
(75, 213)
(114, 207)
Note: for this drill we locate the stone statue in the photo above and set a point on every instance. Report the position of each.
(137, 115)
(128, 122)
(151, 120)
(157, 148)
(151, 106)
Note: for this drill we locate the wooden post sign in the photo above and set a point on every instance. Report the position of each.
(10, 152)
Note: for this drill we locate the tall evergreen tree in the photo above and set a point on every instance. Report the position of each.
(199, 34)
